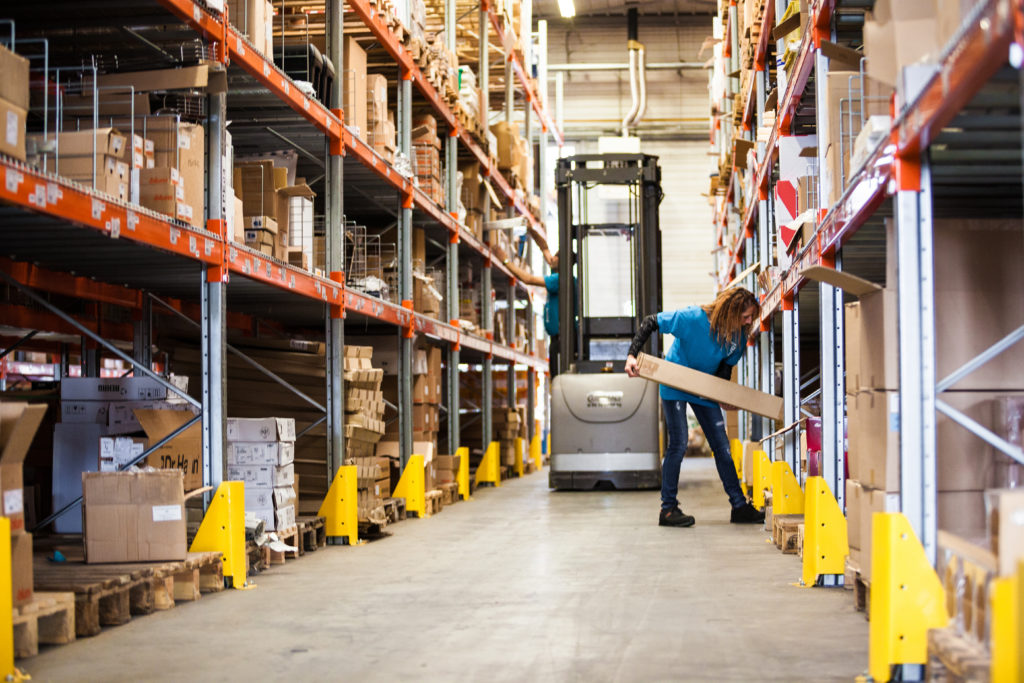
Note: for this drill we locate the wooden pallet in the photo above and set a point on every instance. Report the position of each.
(312, 532)
(394, 508)
(49, 619)
(953, 658)
(800, 541)
(257, 557)
(450, 493)
(862, 595)
(290, 536)
(433, 502)
(109, 594)
(785, 529)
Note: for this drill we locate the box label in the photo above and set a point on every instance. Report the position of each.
(166, 513)
(12, 128)
(13, 501)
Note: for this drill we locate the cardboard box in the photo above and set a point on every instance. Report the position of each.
(254, 18)
(262, 476)
(710, 387)
(261, 429)
(181, 145)
(133, 516)
(14, 78)
(256, 185)
(962, 513)
(874, 501)
(115, 452)
(354, 59)
(19, 423)
(510, 150)
(277, 453)
(12, 139)
(854, 510)
(161, 190)
(119, 388)
(898, 33)
(964, 463)
(875, 102)
(21, 568)
(425, 418)
(184, 452)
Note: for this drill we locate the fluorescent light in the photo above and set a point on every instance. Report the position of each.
(567, 8)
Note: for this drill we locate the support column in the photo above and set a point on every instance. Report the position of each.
(142, 337)
(915, 278)
(791, 379)
(214, 308)
(486, 291)
(335, 260)
(452, 270)
(405, 295)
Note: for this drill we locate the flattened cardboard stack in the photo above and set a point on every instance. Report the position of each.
(509, 425)
(373, 482)
(261, 453)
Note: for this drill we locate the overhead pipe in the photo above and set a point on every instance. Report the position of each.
(637, 77)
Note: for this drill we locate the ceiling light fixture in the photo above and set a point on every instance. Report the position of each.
(567, 8)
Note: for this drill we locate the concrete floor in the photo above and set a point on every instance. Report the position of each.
(518, 584)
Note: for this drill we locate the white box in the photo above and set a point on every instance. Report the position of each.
(261, 429)
(84, 412)
(277, 453)
(118, 388)
(263, 476)
(285, 517)
(265, 514)
(117, 451)
(258, 497)
(284, 496)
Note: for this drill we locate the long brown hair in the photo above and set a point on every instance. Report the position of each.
(726, 312)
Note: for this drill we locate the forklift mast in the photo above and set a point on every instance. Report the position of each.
(610, 243)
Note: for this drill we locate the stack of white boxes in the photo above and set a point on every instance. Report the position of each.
(261, 453)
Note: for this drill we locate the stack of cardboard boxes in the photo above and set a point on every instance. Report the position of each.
(277, 218)
(426, 397)
(379, 120)
(364, 427)
(19, 423)
(512, 152)
(473, 197)
(976, 306)
(261, 453)
(426, 149)
(255, 20)
(105, 423)
(508, 426)
(14, 102)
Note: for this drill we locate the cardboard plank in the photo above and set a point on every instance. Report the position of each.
(710, 387)
(856, 286)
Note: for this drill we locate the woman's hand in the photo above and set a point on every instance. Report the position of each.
(631, 366)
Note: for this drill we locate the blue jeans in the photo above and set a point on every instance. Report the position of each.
(713, 424)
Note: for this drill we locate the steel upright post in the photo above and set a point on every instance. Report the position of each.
(405, 295)
(451, 168)
(335, 257)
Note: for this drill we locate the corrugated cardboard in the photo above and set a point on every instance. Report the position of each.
(710, 387)
(133, 516)
(261, 429)
(262, 476)
(196, 77)
(184, 452)
(278, 453)
(254, 181)
(963, 462)
(12, 130)
(854, 508)
(898, 33)
(181, 145)
(354, 58)
(874, 500)
(21, 568)
(14, 78)
(19, 423)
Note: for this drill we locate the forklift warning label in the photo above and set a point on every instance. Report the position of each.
(604, 399)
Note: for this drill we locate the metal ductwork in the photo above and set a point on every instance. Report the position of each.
(637, 74)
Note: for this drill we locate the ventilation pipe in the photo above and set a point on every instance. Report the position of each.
(637, 76)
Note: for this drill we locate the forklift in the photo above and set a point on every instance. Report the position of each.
(605, 425)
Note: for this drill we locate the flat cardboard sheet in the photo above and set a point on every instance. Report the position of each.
(710, 387)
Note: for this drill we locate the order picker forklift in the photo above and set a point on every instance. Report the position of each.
(605, 425)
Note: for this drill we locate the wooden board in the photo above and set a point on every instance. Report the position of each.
(953, 658)
(785, 532)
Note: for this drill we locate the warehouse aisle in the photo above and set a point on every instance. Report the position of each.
(519, 584)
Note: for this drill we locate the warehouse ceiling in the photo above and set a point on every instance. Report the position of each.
(548, 9)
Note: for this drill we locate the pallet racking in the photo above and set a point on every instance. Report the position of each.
(62, 239)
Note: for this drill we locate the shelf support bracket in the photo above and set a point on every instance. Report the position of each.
(489, 470)
(223, 531)
(826, 544)
(787, 496)
(340, 506)
(761, 478)
(462, 478)
(411, 486)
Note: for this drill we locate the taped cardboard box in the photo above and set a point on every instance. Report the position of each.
(261, 429)
(12, 133)
(133, 516)
(898, 33)
(276, 453)
(709, 387)
(1005, 519)
(19, 423)
(854, 509)
(254, 19)
(181, 145)
(354, 59)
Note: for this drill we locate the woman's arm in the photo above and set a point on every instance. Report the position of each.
(524, 275)
(648, 326)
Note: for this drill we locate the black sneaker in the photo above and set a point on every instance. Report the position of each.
(675, 517)
(746, 514)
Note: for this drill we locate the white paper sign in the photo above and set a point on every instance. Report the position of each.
(166, 513)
